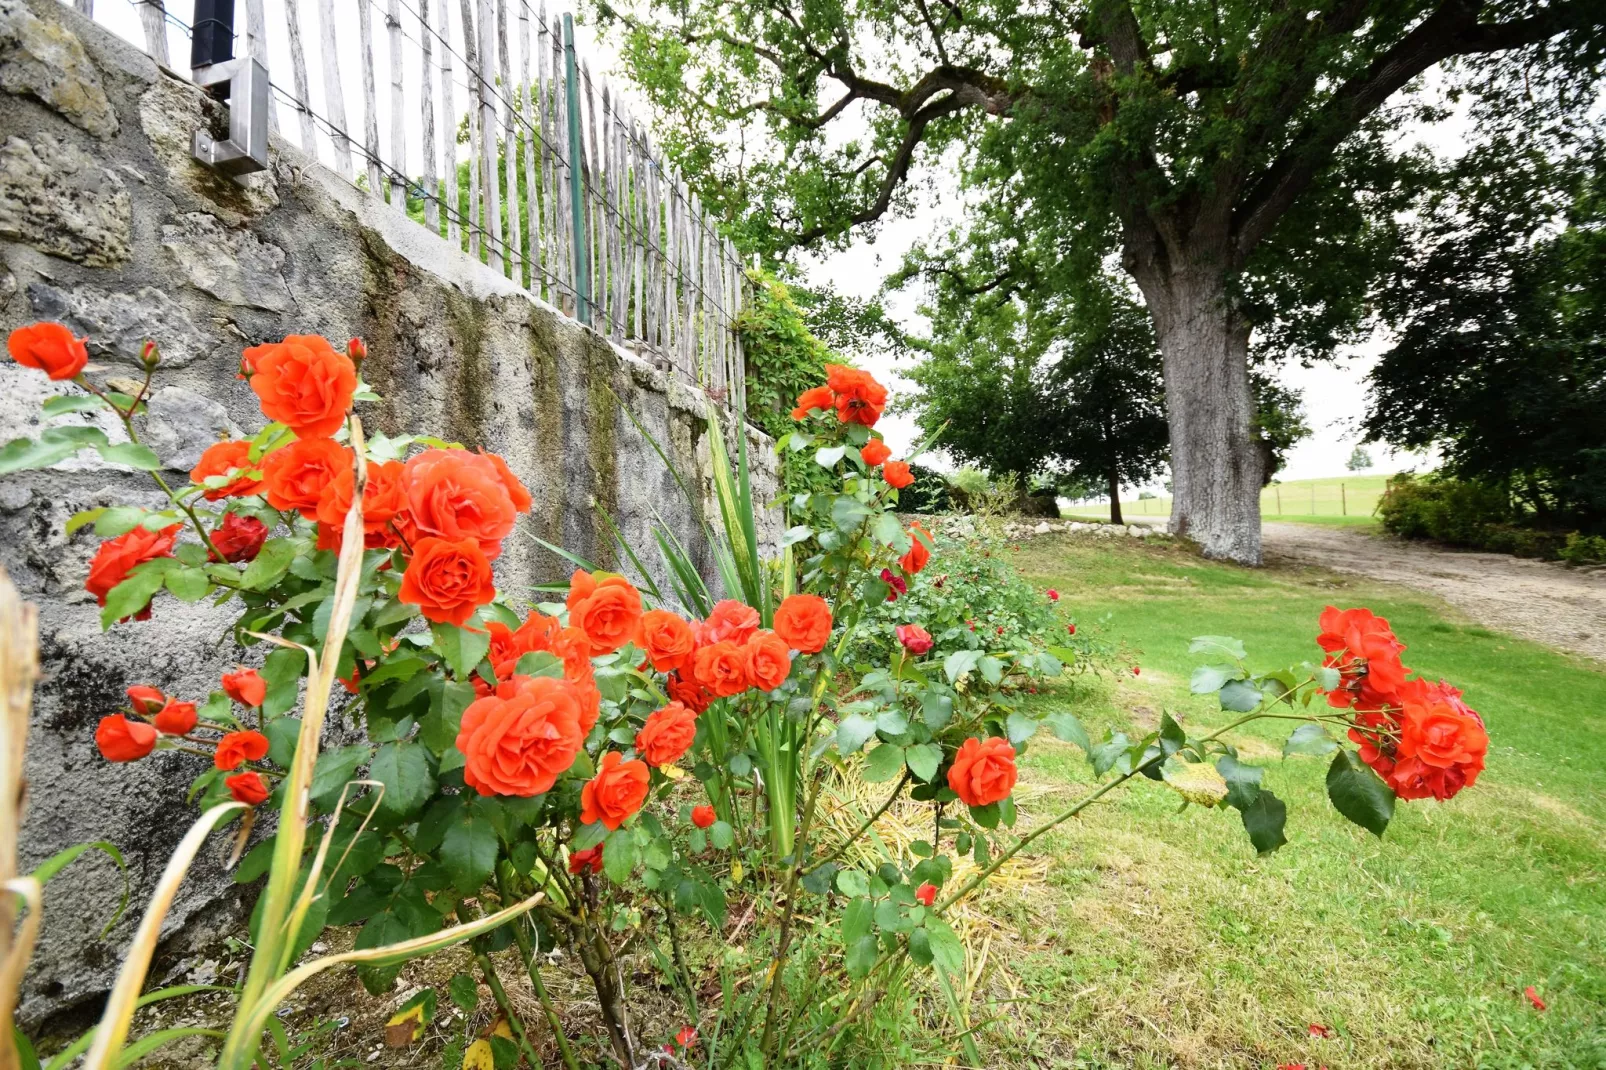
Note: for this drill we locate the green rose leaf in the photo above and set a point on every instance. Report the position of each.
(1359, 793)
(923, 759)
(853, 731)
(937, 709)
(463, 649)
(848, 513)
(721, 835)
(188, 584)
(829, 456)
(134, 454)
(1309, 739)
(404, 770)
(858, 920)
(883, 763)
(920, 947)
(335, 769)
(852, 883)
(1243, 781)
(1207, 679)
(1263, 820)
(1065, 725)
(1198, 782)
(270, 563)
(1224, 646)
(61, 404)
(1239, 696)
(619, 856)
(946, 949)
(539, 663)
(468, 848)
(134, 593)
(861, 957)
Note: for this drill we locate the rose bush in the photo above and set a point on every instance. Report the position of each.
(639, 758)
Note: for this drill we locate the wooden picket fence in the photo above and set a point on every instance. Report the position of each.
(618, 241)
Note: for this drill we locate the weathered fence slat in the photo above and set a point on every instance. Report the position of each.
(490, 187)
(370, 100)
(432, 188)
(453, 204)
(508, 165)
(153, 20)
(398, 107)
(475, 134)
(334, 91)
(256, 46)
(527, 152)
(298, 70)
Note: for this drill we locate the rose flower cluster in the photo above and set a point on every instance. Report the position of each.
(1418, 736)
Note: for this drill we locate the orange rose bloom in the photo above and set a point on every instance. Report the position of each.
(448, 581)
(295, 476)
(815, 397)
(455, 494)
(721, 668)
(729, 619)
(176, 718)
(703, 816)
(897, 474)
(146, 699)
(574, 648)
(609, 615)
(666, 638)
(245, 686)
(688, 693)
(874, 452)
(50, 348)
(248, 788)
(803, 621)
(220, 459)
(509, 645)
(1442, 743)
(117, 557)
(918, 555)
(983, 771)
(519, 740)
(517, 493)
(859, 398)
(768, 659)
(581, 586)
(383, 498)
(122, 740)
(666, 735)
(303, 383)
(239, 747)
(615, 793)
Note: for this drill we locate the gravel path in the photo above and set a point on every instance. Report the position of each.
(1553, 604)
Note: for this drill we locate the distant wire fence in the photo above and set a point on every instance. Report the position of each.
(557, 186)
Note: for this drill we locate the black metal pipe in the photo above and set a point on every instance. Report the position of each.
(212, 35)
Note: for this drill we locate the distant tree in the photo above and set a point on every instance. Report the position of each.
(1501, 321)
(1359, 460)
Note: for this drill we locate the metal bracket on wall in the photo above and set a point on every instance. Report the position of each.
(246, 149)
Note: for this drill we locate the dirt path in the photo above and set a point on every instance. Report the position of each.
(1553, 604)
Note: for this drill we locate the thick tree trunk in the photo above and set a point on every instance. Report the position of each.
(1215, 464)
(1115, 498)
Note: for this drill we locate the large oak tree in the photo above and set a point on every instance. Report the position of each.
(1187, 134)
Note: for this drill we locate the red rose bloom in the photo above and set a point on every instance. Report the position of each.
(769, 661)
(983, 771)
(918, 556)
(248, 787)
(176, 718)
(122, 740)
(295, 476)
(220, 459)
(859, 398)
(238, 538)
(803, 621)
(608, 615)
(1442, 743)
(245, 686)
(703, 816)
(667, 735)
(236, 748)
(588, 858)
(447, 581)
(688, 692)
(303, 383)
(117, 557)
(666, 638)
(50, 348)
(146, 699)
(1362, 647)
(915, 639)
(519, 740)
(926, 894)
(814, 398)
(455, 494)
(897, 474)
(729, 619)
(721, 668)
(874, 452)
(384, 497)
(615, 793)
(896, 584)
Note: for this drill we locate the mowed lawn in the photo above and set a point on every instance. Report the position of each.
(1158, 938)
(1342, 500)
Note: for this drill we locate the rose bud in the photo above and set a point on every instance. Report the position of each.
(926, 894)
(915, 639)
(357, 349)
(239, 538)
(176, 718)
(1053, 595)
(146, 700)
(702, 816)
(1070, 629)
(149, 355)
(245, 686)
(1134, 670)
(248, 788)
(122, 740)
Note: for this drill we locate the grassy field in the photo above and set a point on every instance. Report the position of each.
(1158, 938)
(1339, 500)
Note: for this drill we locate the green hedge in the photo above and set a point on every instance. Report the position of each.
(1478, 516)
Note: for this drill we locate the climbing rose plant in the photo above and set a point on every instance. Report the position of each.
(640, 758)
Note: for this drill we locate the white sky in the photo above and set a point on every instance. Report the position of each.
(1334, 394)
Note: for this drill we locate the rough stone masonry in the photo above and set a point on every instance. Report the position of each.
(109, 226)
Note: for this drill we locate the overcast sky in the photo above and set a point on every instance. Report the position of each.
(1334, 394)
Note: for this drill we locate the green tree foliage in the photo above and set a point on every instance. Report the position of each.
(1239, 156)
(1501, 321)
(1359, 460)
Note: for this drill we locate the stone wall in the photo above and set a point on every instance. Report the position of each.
(108, 225)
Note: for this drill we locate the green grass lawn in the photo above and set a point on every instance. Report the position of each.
(1337, 500)
(1160, 939)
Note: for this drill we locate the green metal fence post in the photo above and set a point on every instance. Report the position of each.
(582, 254)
